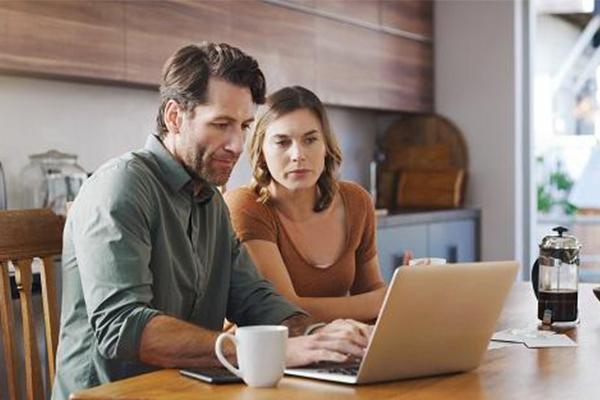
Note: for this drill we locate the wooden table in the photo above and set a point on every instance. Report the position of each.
(514, 372)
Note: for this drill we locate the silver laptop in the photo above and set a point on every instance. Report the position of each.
(435, 319)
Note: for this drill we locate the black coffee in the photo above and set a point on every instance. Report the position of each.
(563, 305)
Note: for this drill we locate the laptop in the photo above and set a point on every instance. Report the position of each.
(435, 319)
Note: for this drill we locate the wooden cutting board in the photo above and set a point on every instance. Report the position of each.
(429, 189)
(423, 143)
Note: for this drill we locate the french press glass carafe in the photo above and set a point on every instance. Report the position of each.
(555, 277)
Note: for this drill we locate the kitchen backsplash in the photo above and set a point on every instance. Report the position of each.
(98, 122)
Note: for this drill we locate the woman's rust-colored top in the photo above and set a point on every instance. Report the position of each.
(253, 220)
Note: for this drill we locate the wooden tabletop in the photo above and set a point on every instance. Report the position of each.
(514, 372)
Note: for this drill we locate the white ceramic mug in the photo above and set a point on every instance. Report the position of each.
(260, 353)
(427, 261)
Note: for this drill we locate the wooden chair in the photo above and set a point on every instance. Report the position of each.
(25, 234)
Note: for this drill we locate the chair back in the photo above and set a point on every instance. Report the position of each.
(25, 235)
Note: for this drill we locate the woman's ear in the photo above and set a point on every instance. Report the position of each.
(173, 116)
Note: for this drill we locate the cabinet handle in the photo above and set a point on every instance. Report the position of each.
(452, 254)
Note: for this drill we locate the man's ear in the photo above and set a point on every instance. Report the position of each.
(173, 116)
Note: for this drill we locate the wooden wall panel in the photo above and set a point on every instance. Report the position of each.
(415, 16)
(128, 41)
(364, 68)
(281, 39)
(156, 29)
(347, 64)
(68, 38)
(405, 76)
(359, 10)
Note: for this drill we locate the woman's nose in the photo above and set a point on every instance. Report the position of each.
(297, 153)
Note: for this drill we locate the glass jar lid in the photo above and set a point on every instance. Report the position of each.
(53, 156)
(560, 241)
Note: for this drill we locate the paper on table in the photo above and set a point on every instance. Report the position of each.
(493, 345)
(534, 339)
(558, 340)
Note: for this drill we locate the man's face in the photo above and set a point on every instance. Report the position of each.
(210, 138)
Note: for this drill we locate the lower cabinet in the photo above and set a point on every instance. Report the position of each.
(393, 241)
(455, 240)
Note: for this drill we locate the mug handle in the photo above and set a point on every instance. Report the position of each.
(221, 357)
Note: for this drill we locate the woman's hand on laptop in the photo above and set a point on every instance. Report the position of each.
(338, 341)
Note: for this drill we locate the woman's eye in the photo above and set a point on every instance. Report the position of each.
(311, 139)
(282, 142)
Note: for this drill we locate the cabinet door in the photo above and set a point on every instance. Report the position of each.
(455, 240)
(393, 241)
(64, 38)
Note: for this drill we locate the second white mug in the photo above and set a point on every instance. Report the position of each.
(260, 353)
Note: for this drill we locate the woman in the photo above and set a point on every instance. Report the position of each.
(311, 235)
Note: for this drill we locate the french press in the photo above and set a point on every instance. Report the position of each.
(555, 277)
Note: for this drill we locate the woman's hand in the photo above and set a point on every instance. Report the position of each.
(407, 256)
(338, 341)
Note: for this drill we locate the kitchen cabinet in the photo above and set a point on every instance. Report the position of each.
(392, 241)
(352, 53)
(413, 16)
(450, 234)
(452, 240)
(70, 39)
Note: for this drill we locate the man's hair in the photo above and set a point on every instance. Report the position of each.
(280, 103)
(186, 74)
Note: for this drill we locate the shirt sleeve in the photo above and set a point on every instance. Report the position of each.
(365, 280)
(251, 220)
(252, 299)
(111, 237)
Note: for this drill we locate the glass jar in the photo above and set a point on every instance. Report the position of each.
(50, 180)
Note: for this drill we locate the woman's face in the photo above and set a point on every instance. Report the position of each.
(294, 150)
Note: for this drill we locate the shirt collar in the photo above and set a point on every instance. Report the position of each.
(173, 172)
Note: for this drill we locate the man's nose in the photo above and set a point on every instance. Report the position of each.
(236, 142)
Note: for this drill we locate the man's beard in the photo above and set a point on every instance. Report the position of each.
(200, 169)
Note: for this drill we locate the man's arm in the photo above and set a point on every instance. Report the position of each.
(169, 342)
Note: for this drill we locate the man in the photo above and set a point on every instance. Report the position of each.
(150, 263)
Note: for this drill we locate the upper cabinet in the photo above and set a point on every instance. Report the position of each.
(413, 16)
(155, 29)
(64, 38)
(359, 53)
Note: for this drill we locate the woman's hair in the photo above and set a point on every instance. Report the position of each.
(280, 103)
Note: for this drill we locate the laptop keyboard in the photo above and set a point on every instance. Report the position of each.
(349, 370)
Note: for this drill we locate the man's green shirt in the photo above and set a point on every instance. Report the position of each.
(139, 243)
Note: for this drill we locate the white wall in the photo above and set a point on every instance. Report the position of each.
(98, 122)
(477, 85)
(95, 122)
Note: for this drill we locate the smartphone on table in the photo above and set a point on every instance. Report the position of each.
(216, 375)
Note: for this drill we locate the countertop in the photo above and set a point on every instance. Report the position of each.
(414, 217)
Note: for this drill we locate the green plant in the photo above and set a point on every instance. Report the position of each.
(544, 200)
(554, 190)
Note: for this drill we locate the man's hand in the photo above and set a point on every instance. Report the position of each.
(337, 341)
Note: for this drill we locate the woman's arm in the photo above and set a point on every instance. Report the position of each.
(361, 307)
